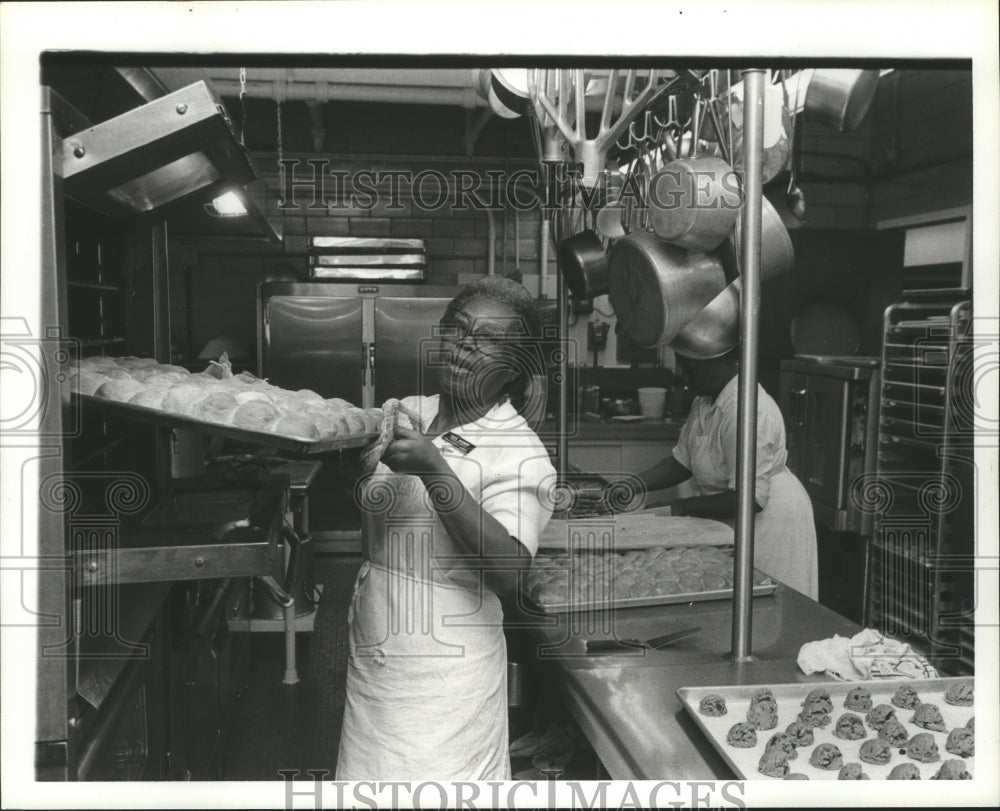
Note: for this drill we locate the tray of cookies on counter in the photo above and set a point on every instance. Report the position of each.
(915, 729)
(240, 406)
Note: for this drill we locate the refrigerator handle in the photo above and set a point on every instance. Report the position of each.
(364, 363)
(371, 361)
(798, 412)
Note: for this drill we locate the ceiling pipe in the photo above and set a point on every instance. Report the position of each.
(466, 97)
(329, 91)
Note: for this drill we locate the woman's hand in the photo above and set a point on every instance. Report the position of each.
(412, 452)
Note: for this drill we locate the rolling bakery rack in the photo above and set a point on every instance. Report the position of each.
(922, 569)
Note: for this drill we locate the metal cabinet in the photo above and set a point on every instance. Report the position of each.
(209, 667)
(830, 407)
(364, 343)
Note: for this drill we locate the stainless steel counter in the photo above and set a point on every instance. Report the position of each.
(627, 704)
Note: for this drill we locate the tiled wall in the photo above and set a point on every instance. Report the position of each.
(922, 143)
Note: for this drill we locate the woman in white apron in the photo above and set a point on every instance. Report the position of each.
(451, 514)
(704, 465)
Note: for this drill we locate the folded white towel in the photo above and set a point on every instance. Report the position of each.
(868, 654)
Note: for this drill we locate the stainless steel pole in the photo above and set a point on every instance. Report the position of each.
(746, 437)
(563, 423)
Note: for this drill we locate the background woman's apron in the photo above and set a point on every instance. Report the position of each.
(427, 672)
(784, 533)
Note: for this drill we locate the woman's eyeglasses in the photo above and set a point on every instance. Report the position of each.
(485, 338)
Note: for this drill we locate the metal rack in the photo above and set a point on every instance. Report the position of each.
(922, 576)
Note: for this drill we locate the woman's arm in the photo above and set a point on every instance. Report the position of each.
(665, 473)
(496, 553)
(718, 505)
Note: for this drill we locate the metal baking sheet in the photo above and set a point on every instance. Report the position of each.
(634, 530)
(657, 599)
(277, 441)
(789, 699)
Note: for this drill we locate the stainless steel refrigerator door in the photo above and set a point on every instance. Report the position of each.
(312, 342)
(405, 345)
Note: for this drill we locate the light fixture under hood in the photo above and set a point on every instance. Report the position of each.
(216, 217)
(156, 155)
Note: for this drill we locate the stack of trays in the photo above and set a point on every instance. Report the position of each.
(367, 258)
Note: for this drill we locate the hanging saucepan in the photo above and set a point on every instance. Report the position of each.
(584, 265)
(693, 202)
(508, 93)
(840, 98)
(715, 330)
(656, 287)
(776, 252)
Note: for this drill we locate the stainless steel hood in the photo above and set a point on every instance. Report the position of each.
(156, 155)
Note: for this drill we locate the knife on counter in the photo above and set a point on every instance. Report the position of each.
(619, 645)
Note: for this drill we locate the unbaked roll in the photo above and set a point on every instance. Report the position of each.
(120, 390)
(132, 362)
(309, 396)
(323, 420)
(355, 419)
(257, 415)
(296, 425)
(150, 397)
(219, 406)
(181, 398)
(249, 396)
(89, 381)
(144, 375)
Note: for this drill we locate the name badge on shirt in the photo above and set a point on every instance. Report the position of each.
(456, 441)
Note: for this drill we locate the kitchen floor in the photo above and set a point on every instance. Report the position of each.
(297, 727)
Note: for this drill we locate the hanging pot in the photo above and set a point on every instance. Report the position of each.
(693, 202)
(508, 92)
(584, 265)
(715, 330)
(656, 287)
(840, 98)
(776, 252)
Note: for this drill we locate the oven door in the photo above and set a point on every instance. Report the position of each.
(825, 444)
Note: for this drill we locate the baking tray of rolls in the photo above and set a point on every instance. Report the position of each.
(911, 729)
(658, 575)
(239, 407)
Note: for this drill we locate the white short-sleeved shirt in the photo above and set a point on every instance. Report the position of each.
(707, 443)
(507, 469)
(785, 536)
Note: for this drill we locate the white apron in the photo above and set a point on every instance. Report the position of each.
(427, 673)
(427, 670)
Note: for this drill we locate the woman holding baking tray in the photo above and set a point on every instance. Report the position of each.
(452, 512)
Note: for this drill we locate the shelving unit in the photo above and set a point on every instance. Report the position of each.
(922, 569)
